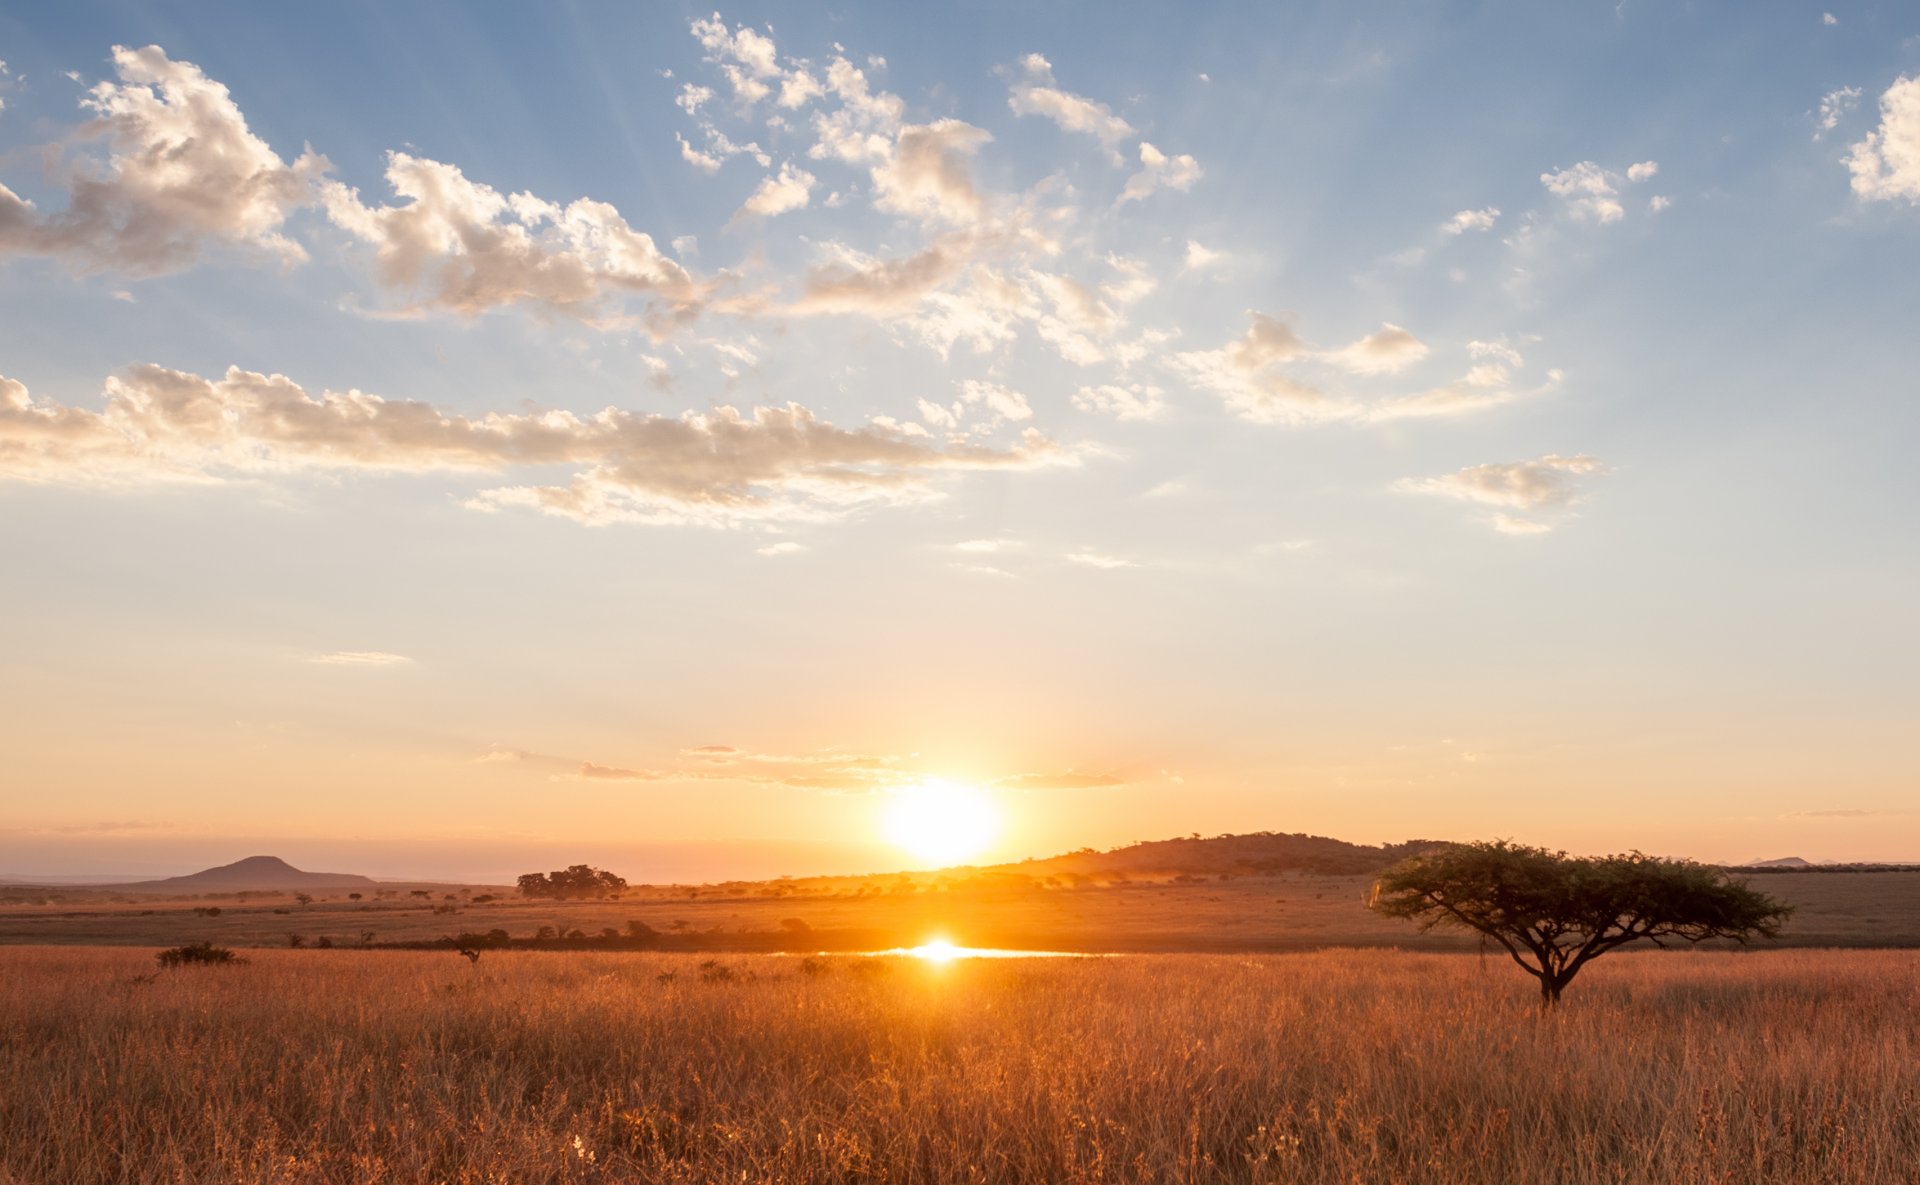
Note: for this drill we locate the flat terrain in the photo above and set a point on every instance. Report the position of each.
(308, 1067)
(1286, 912)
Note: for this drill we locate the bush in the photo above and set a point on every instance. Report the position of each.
(199, 953)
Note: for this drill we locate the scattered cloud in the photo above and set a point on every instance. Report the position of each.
(715, 468)
(928, 176)
(788, 190)
(786, 547)
(613, 773)
(1545, 484)
(1094, 559)
(1643, 170)
(360, 658)
(1466, 220)
(1486, 385)
(1034, 93)
(1199, 258)
(1134, 401)
(1002, 404)
(1246, 374)
(1886, 164)
(1835, 106)
(463, 247)
(1588, 190)
(1158, 169)
(180, 172)
(1389, 351)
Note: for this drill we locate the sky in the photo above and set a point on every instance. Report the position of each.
(453, 439)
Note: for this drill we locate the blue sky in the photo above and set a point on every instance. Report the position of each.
(1364, 419)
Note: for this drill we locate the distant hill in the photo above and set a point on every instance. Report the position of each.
(1782, 862)
(1262, 851)
(252, 873)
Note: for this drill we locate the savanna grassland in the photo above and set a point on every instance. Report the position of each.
(1286, 912)
(1342, 1066)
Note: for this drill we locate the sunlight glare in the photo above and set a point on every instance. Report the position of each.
(941, 823)
(937, 950)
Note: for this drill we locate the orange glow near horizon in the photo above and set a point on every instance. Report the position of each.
(941, 823)
(936, 950)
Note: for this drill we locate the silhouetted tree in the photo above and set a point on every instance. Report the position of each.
(575, 881)
(1555, 913)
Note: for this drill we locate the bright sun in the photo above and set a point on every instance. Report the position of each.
(941, 823)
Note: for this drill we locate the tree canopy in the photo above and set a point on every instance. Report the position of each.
(1555, 913)
(575, 881)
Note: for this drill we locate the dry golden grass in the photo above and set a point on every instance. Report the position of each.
(1346, 1066)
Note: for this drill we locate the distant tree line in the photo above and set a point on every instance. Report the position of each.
(576, 881)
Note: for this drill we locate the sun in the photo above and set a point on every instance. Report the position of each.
(941, 823)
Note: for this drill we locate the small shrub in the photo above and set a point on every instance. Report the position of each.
(198, 953)
(714, 971)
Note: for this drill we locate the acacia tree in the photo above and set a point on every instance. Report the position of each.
(578, 880)
(1555, 913)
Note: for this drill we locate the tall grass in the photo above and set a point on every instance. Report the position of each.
(1351, 1067)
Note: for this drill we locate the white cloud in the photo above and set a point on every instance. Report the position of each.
(1500, 350)
(459, 245)
(1508, 524)
(853, 282)
(786, 547)
(705, 162)
(1135, 401)
(1484, 386)
(1245, 374)
(1157, 169)
(1036, 94)
(1827, 18)
(1001, 402)
(1389, 351)
(1094, 559)
(1589, 191)
(691, 98)
(360, 658)
(1466, 220)
(1643, 170)
(862, 129)
(778, 194)
(181, 172)
(1886, 164)
(1658, 202)
(927, 176)
(716, 468)
(1835, 105)
(751, 64)
(1199, 258)
(1547, 483)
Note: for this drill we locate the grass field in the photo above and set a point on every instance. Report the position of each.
(1342, 1066)
(1293, 912)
